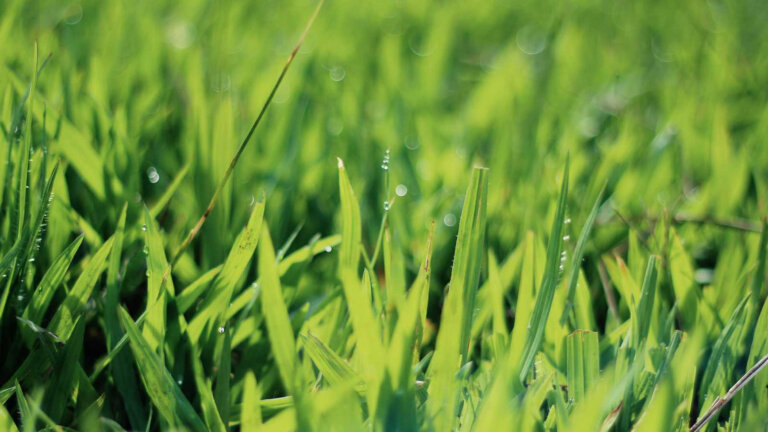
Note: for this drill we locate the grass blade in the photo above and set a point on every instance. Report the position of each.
(548, 284)
(63, 321)
(162, 389)
(578, 254)
(279, 329)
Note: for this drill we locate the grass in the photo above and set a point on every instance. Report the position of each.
(434, 216)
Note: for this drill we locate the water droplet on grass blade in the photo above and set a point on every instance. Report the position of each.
(401, 190)
(449, 220)
(221, 330)
(328, 249)
(337, 73)
(144, 227)
(153, 175)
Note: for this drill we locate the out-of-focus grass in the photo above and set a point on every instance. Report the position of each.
(139, 106)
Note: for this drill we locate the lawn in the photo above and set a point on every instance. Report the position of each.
(383, 216)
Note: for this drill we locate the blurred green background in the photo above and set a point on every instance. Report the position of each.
(663, 102)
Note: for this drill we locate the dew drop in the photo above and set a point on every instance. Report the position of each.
(146, 250)
(337, 73)
(32, 259)
(328, 249)
(449, 219)
(567, 220)
(221, 330)
(153, 175)
(566, 237)
(386, 205)
(143, 227)
(401, 190)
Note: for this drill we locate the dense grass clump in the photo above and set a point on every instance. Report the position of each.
(434, 216)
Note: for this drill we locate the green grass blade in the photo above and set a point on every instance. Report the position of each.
(6, 422)
(349, 252)
(548, 284)
(122, 370)
(250, 413)
(718, 366)
(159, 205)
(330, 364)
(223, 359)
(160, 386)
(64, 374)
(50, 281)
(210, 412)
(73, 305)
(279, 328)
(212, 312)
(644, 313)
(576, 261)
(583, 365)
(155, 325)
(469, 252)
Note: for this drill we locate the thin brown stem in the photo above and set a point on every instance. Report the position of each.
(196, 229)
(721, 401)
(607, 289)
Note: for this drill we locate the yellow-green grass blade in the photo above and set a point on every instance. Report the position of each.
(334, 368)
(212, 313)
(576, 261)
(6, 422)
(158, 286)
(50, 282)
(583, 363)
(210, 412)
(469, 252)
(279, 330)
(250, 411)
(719, 365)
(349, 251)
(74, 303)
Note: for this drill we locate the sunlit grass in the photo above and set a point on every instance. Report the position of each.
(435, 216)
